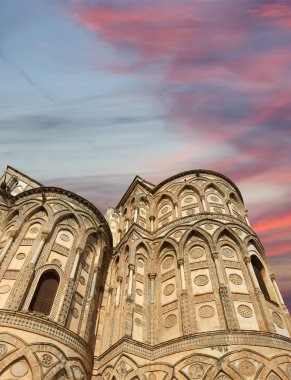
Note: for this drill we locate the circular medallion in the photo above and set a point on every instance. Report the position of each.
(169, 289)
(214, 198)
(140, 263)
(152, 376)
(19, 369)
(247, 368)
(227, 252)
(57, 262)
(209, 227)
(188, 200)
(3, 349)
(206, 311)
(139, 292)
(196, 252)
(34, 230)
(46, 360)
(170, 320)
(201, 280)
(278, 320)
(235, 279)
(138, 321)
(4, 289)
(219, 210)
(20, 256)
(245, 311)
(82, 280)
(64, 237)
(196, 371)
(288, 370)
(75, 312)
(164, 210)
(167, 263)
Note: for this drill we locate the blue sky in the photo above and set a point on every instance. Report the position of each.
(94, 92)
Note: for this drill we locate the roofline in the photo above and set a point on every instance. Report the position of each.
(179, 175)
(24, 175)
(70, 194)
(137, 180)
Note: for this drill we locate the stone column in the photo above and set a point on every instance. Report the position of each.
(117, 300)
(277, 291)
(130, 280)
(126, 224)
(228, 203)
(7, 245)
(76, 262)
(252, 273)
(38, 251)
(182, 273)
(225, 296)
(152, 218)
(176, 210)
(135, 218)
(92, 289)
(205, 208)
(246, 218)
(152, 277)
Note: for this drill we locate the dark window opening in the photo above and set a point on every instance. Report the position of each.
(45, 293)
(259, 272)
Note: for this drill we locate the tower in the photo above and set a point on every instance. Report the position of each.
(172, 284)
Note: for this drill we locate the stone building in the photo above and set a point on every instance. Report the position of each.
(171, 284)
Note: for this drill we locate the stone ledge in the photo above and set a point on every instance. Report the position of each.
(45, 327)
(194, 341)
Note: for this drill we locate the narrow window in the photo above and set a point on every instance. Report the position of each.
(260, 273)
(45, 293)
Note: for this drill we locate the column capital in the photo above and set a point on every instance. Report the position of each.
(152, 217)
(247, 259)
(180, 261)
(131, 266)
(110, 289)
(215, 254)
(152, 276)
(79, 251)
(44, 235)
(11, 234)
(119, 278)
(272, 277)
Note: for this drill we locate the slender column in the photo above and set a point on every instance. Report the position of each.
(126, 225)
(182, 273)
(252, 273)
(38, 251)
(176, 210)
(229, 206)
(7, 246)
(218, 268)
(93, 285)
(246, 218)
(131, 269)
(119, 235)
(135, 220)
(204, 203)
(277, 291)
(152, 218)
(76, 262)
(152, 277)
(119, 280)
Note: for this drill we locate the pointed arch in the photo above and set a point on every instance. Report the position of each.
(45, 293)
(165, 210)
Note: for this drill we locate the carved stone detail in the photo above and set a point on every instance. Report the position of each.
(170, 320)
(247, 368)
(206, 311)
(245, 311)
(201, 280)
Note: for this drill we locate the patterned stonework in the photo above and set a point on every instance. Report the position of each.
(176, 297)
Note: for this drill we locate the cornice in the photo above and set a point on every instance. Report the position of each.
(139, 180)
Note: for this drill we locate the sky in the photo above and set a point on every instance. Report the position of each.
(93, 93)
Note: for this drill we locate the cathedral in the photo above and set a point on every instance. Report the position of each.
(171, 284)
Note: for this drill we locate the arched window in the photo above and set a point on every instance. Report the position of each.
(45, 293)
(260, 274)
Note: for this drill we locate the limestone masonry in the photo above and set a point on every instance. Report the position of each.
(171, 284)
